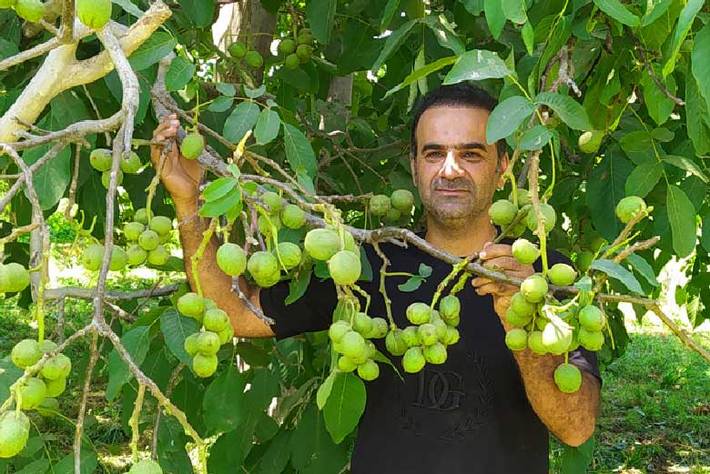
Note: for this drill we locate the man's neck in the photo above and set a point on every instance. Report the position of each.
(461, 239)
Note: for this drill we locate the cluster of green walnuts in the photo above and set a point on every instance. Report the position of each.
(217, 330)
(392, 209)
(539, 322)
(426, 339)
(37, 392)
(292, 52)
(101, 159)
(146, 236)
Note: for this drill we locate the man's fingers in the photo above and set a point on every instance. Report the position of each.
(505, 264)
(495, 250)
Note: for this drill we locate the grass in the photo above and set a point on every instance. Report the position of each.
(655, 415)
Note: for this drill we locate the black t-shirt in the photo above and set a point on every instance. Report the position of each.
(468, 415)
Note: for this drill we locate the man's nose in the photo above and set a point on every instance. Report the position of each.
(450, 168)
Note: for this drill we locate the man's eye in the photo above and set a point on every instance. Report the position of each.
(470, 155)
(435, 154)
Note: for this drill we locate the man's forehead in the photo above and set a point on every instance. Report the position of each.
(452, 125)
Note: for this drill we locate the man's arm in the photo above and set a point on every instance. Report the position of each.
(571, 417)
(181, 178)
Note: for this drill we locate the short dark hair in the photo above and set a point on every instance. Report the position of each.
(461, 94)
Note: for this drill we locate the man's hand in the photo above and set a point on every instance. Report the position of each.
(181, 177)
(499, 257)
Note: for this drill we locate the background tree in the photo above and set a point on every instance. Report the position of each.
(598, 101)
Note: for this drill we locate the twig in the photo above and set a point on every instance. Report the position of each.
(74, 183)
(18, 231)
(93, 357)
(654, 77)
(133, 422)
(31, 53)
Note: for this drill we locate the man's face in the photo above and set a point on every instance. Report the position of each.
(454, 169)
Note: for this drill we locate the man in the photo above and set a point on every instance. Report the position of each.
(486, 410)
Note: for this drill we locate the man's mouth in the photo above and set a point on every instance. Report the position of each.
(451, 190)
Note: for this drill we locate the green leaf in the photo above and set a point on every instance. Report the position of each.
(325, 390)
(9, 373)
(412, 284)
(686, 164)
(514, 10)
(180, 73)
(254, 93)
(231, 449)
(643, 179)
(507, 116)
(297, 286)
(638, 141)
(230, 201)
(218, 188)
(658, 104)
(445, 34)
(199, 12)
(253, 355)
(172, 439)
(681, 216)
(393, 42)
(643, 268)
(345, 406)
(705, 236)
(264, 387)
(223, 406)
(685, 21)
(390, 9)
(605, 188)
(535, 138)
(175, 329)
(495, 17)
(51, 180)
(527, 33)
(476, 65)
(129, 7)
(576, 460)
(616, 271)
(696, 117)
(227, 89)
(321, 15)
(569, 111)
(267, 126)
(700, 62)
(159, 45)
(136, 341)
(617, 10)
(240, 121)
(420, 73)
(221, 104)
(299, 152)
(654, 11)
(424, 270)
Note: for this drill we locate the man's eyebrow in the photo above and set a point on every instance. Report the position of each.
(460, 146)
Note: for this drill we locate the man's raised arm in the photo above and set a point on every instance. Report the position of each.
(181, 178)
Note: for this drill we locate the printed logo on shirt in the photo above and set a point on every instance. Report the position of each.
(445, 391)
